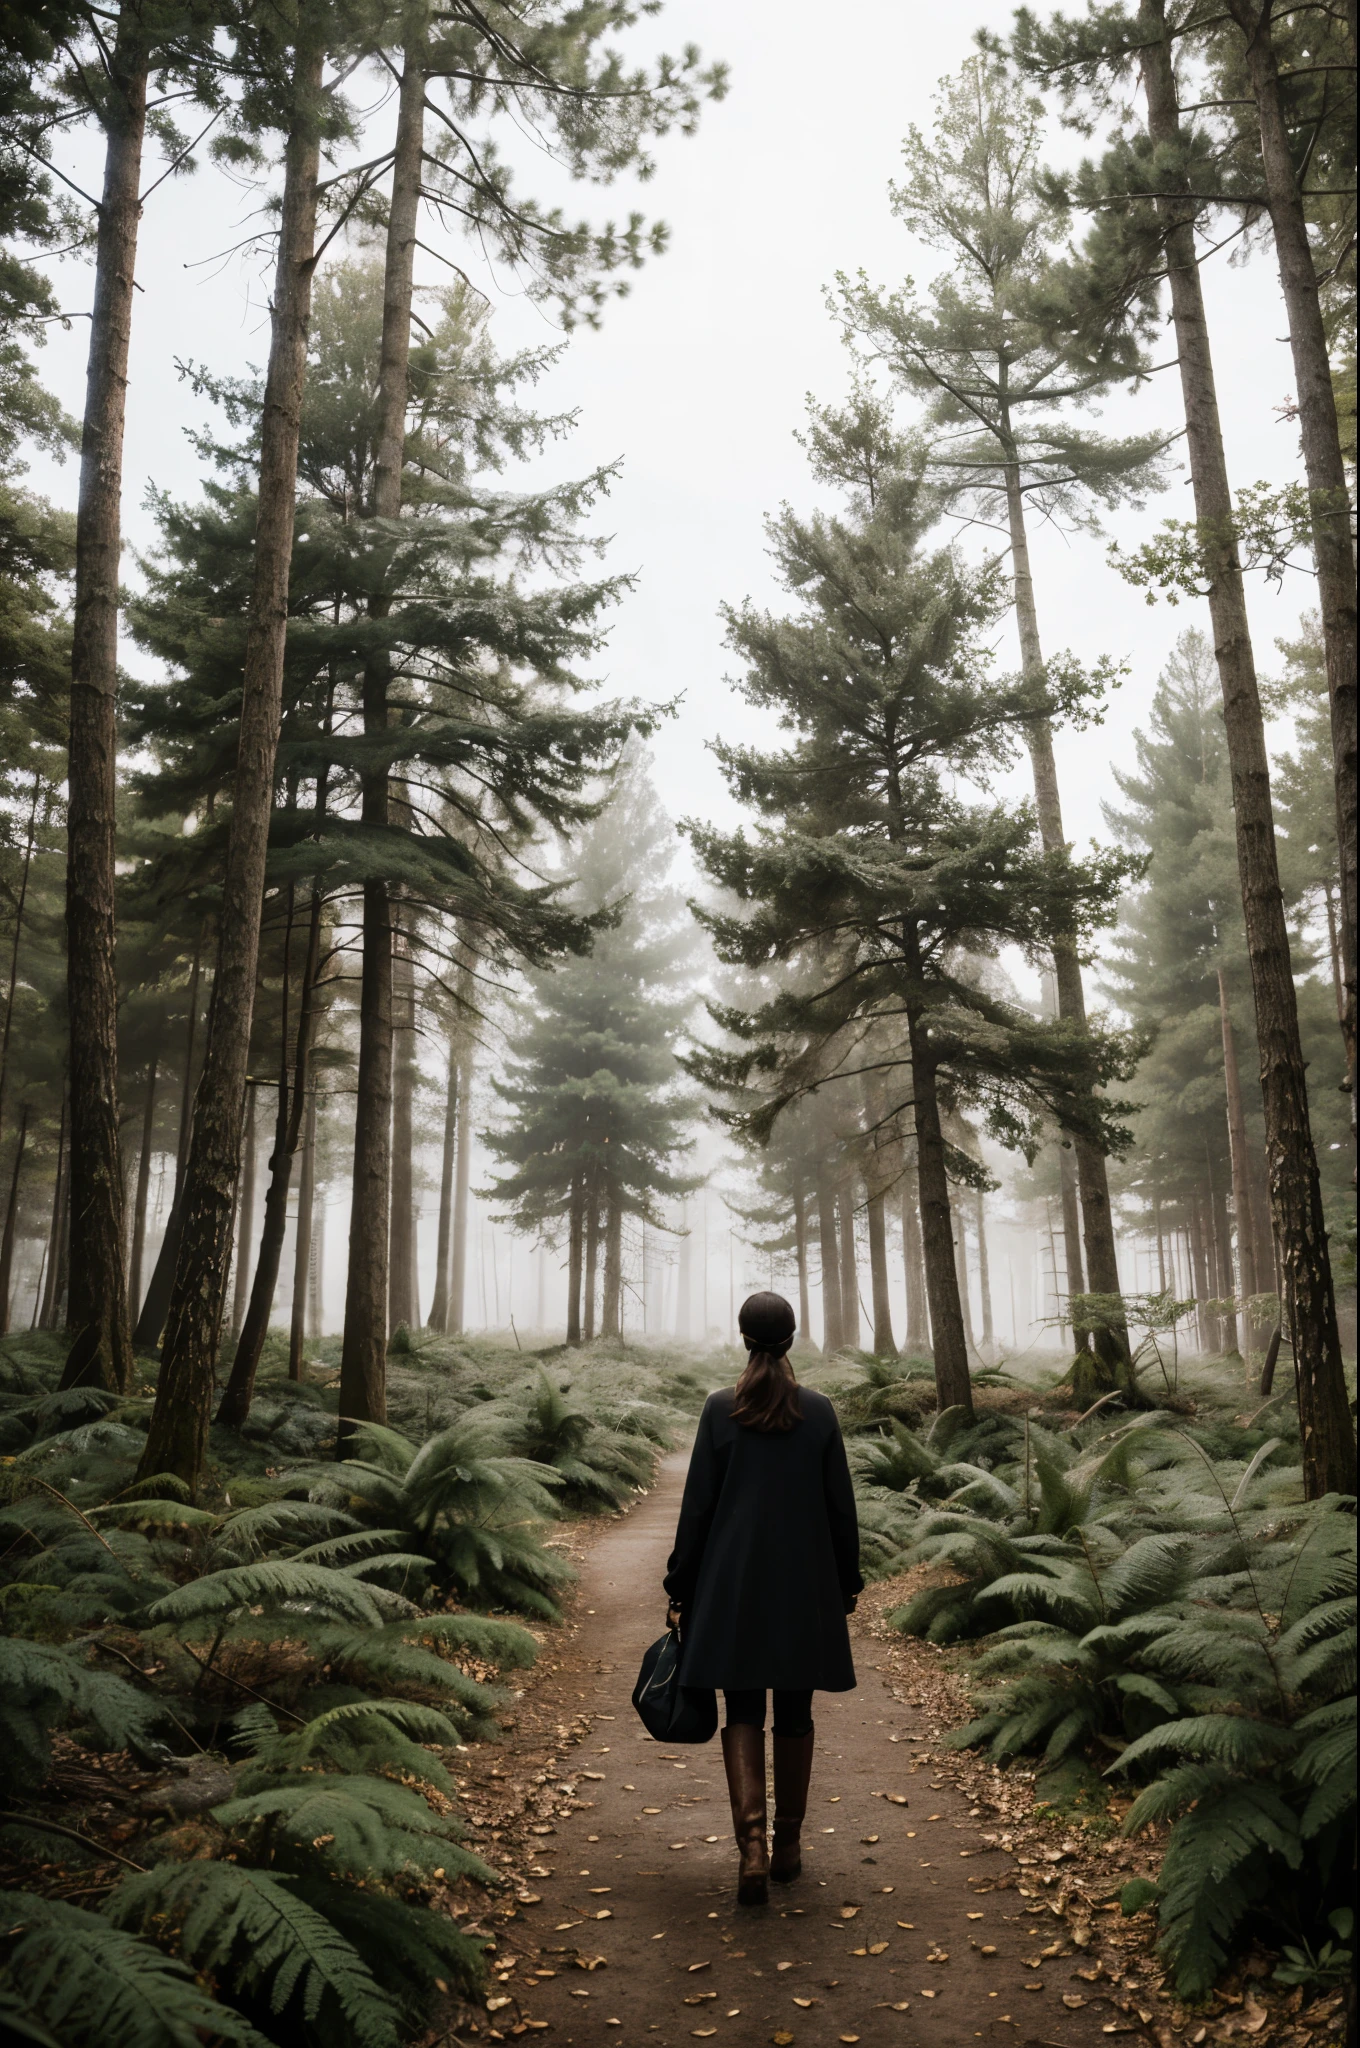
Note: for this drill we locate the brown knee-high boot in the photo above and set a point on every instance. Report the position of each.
(744, 1761)
(792, 1770)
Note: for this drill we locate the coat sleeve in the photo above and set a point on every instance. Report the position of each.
(696, 1514)
(840, 1513)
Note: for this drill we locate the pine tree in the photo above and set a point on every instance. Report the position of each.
(1003, 371)
(594, 1106)
(873, 866)
(1146, 197)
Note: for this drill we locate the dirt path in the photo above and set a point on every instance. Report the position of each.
(907, 1925)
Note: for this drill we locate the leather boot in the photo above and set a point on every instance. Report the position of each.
(792, 1769)
(744, 1761)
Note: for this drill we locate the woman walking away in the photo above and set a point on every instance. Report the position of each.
(764, 1571)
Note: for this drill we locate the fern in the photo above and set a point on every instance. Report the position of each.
(43, 1687)
(352, 1826)
(256, 1934)
(270, 1583)
(96, 1986)
(413, 1952)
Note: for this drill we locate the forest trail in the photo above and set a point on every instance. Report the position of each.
(635, 1866)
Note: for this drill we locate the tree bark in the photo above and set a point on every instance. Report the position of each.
(151, 1316)
(240, 1387)
(1200, 1271)
(850, 1321)
(179, 1424)
(984, 1280)
(363, 1364)
(832, 1327)
(403, 1304)
(961, 1270)
(885, 1345)
(245, 1218)
(20, 901)
(11, 1219)
(1093, 1187)
(918, 1322)
(1323, 461)
(592, 1263)
(439, 1301)
(576, 1231)
(953, 1388)
(317, 1267)
(1237, 1150)
(101, 1350)
(462, 1182)
(1329, 1459)
(51, 1296)
(611, 1320)
(800, 1250)
(143, 1189)
(302, 1252)
(1222, 1240)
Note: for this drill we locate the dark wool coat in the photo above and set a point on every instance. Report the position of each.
(766, 1554)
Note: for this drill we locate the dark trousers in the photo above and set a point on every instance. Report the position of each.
(792, 1711)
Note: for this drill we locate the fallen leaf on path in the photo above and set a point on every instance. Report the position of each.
(910, 1925)
(735, 2013)
(1073, 2000)
(849, 2037)
(677, 1845)
(857, 1951)
(598, 1775)
(563, 1925)
(529, 1898)
(651, 1809)
(929, 1994)
(703, 2033)
(805, 2002)
(784, 1966)
(897, 1799)
(698, 1966)
(591, 1962)
(849, 1912)
(868, 1838)
(834, 1800)
(1031, 1987)
(597, 1891)
(976, 1916)
(781, 2039)
(700, 1997)
(876, 1948)
(604, 1914)
(495, 2004)
(988, 1950)
(710, 1838)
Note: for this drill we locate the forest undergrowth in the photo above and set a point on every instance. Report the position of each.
(234, 1724)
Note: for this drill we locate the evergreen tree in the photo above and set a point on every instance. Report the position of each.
(594, 1102)
(483, 651)
(1005, 373)
(1146, 195)
(875, 867)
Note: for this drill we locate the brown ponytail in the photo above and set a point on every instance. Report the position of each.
(767, 1392)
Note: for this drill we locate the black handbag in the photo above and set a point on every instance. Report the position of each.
(670, 1711)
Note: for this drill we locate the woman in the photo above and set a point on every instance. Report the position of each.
(764, 1571)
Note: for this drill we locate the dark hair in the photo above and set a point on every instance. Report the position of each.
(767, 1392)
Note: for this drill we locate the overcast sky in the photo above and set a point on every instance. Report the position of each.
(697, 380)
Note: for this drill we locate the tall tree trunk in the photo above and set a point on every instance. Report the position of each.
(439, 1303)
(1329, 1459)
(953, 1388)
(575, 1234)
(11, 1219)
(245, 1217)
(179, 1424)
(592, 1262)
(913, 1264)
(143, 1189)
(850, 1322)
(20, 900)
(984, 1280)
(302, 1251)
(316, 1271)
(832, 1326)
(1097, 1220)
(47, 1311)
(1200, 1270)
(1222, 1239)
(1322, 459)
(101, 1351)
(363, 1362)
(961, 1269)
(151, 1316)
(402, 1304)
(611, 1320)
(461, 1184)
(240, 1387)
(885, 1345)
(1237, 1150)
(800, 1250)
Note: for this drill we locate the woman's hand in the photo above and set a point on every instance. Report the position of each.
(672, 1616)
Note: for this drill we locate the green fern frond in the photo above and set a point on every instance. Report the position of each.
(253, 1932)
(42, 1686)
(357, 1826)
(1231, 1740)
(96, 1986)
(270, 1583)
